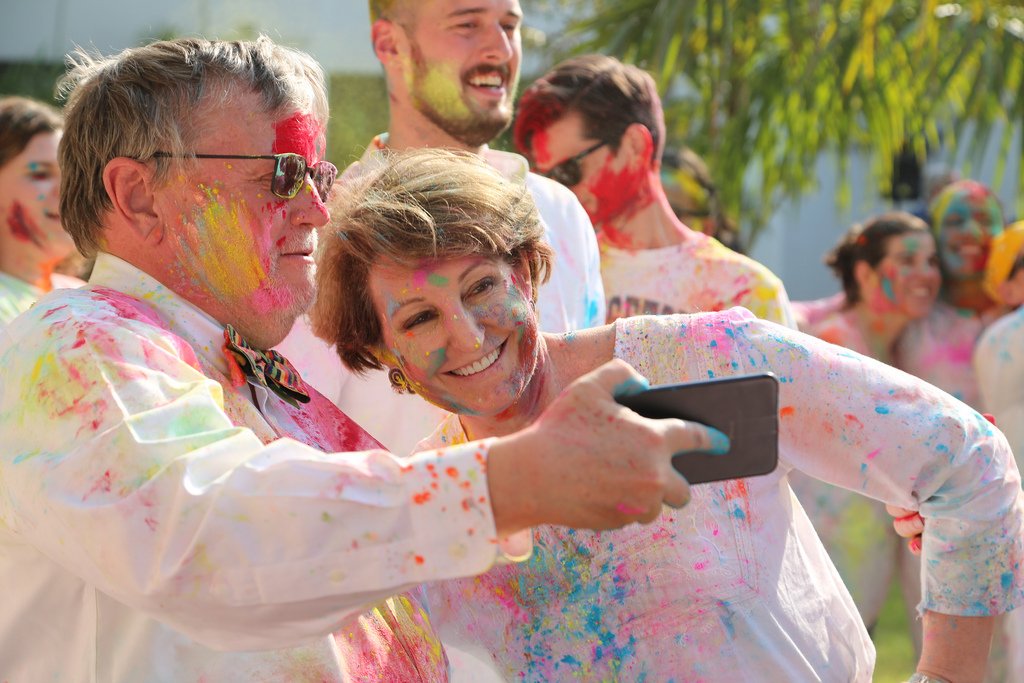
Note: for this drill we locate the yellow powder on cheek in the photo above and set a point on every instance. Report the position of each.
(225, 250)
(441, 88)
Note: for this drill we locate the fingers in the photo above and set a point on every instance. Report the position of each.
(677, 491)
(683, 436)
(618, 378)
(908, 524)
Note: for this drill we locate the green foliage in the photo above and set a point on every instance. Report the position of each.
(31, 79)
(767, 85)
(359, 110)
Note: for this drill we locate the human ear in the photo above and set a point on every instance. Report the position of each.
(385, 35)
(863, 273)
(130, 185)
(639, 145)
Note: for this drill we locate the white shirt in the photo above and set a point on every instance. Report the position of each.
(696, 276)
(572, 299)
(736, 585)
(155, 527)
(999, 363)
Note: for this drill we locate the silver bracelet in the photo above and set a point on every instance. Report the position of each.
(919, 677)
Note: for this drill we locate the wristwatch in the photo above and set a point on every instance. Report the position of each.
(925, 678)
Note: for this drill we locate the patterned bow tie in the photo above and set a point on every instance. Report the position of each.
(268, 368)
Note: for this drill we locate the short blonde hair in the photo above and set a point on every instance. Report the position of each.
(416, 205)
(145, 100)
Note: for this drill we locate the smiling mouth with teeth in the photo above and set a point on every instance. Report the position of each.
(480, 365)
(489, 81)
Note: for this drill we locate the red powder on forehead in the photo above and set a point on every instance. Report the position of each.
(299, 134)
(536, 113)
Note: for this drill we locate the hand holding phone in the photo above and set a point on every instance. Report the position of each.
(745, 408)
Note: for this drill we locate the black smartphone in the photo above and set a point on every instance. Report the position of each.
(745, 408)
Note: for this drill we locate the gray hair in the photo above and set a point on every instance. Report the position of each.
(146, 99)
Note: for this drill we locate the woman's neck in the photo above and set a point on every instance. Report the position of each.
(968, 294)
(880, 330)
(26, 266)
(561, 359)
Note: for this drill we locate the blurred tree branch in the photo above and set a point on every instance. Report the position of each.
(770, 84)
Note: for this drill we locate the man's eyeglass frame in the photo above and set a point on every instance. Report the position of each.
(290, 171)
(569, 172)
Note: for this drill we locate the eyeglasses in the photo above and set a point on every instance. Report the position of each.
(569, 172)
(290, 171)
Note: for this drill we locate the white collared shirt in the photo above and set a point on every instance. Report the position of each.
(155, 527)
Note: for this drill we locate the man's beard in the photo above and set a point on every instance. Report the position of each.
(472, 128)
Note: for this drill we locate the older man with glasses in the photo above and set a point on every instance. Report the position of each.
(595, 125)
(176, 503)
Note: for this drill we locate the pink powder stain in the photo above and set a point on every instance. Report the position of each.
(419, 278)
(22, 227)
(103, 484)
(268, 300)
(299, 134)
(873, 454)
(628, 509)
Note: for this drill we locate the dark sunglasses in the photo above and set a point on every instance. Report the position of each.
(290, 171)
(569, 172)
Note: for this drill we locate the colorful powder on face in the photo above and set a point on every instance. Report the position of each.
(221, 247)
(437, 87)
(22, 227)
(300, 134)
(617, 195)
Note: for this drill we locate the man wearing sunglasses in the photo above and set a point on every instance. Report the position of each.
(176, 503)
(595, 125)
(452, 68)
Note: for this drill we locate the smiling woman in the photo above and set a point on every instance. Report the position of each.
(32, 241)
(430, 271)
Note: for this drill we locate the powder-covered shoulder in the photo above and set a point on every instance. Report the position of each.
(67, 320)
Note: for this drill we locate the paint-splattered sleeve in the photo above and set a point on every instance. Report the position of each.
(863, 425)
(120, 464)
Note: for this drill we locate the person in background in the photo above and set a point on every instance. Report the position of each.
(32, 242)
(890, 276)
(966, 216)
(999, 353)
(452, 70)
(176, 503)
(999, 365)
(596, 125)
(431, 271)
(693, 196)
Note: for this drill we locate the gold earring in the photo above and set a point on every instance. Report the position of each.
(398, 381)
